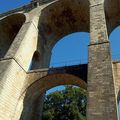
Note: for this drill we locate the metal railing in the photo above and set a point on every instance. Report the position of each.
(68, 63)
(115, 57)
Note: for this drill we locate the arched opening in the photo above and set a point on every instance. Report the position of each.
(55, 25)
(65, 103)
(9, 27)
(35, 63)
(34, 91)
(71, 50)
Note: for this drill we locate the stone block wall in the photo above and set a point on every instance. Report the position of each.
(43, 27)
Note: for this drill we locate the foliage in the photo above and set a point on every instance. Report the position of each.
(67, 104)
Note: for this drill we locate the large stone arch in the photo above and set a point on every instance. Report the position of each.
(35, 62)
(60, 18)
(37, 88)
(9, 27)
(63, 17)
(112, 14)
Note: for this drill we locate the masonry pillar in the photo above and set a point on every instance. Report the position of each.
(102, 103)
(13, 69)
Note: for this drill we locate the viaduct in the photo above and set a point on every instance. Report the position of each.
(27, 36)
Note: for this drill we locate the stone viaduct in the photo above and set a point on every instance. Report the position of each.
(27, 36)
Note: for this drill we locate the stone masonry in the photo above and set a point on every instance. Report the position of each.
(28, 34)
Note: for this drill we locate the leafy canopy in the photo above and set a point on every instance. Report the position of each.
(67, 104)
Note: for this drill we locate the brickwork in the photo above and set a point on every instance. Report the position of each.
(102, 104)
(10, 88)
(40, 25)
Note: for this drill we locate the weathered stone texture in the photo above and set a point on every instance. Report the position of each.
(101, 89)
(28, 35)
(102, 103)
(11, 88)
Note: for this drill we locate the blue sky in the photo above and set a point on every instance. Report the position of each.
(6, 5)
(72, 49)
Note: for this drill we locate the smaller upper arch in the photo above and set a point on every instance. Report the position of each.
(45, 83)
(9, 28)
(63, 17)
(35, 62)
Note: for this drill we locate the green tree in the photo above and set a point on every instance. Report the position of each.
(67, 104)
